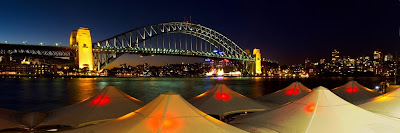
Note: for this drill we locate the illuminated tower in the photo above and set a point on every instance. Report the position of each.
(72, 39)
(72, 43)
(335, 56)
(257, 59)
(377, 55)
(83, 41)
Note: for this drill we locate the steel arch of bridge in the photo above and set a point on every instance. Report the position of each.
(134, 41)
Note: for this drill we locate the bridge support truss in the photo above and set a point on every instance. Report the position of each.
(174, 38)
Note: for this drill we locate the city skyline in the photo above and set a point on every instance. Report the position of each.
(165, 59)
(371, 54)
(281, 29)
(128, 66)
(158, 60)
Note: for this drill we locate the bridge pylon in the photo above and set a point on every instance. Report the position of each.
(82, 39)
(257, 59)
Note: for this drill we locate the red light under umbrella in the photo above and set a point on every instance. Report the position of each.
(170, 123)
(101, 100)
(293, 91)
(309, 108)
(352, 90)
(223, 96)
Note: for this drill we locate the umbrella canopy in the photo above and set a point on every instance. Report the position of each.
(220, 100)
(321, 111)
(8, 119)
(110, 103)
(387, 104)
(293, 92)
(353, 92)
(169, 112)
(32, 119)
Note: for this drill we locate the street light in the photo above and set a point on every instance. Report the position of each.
(41, 43)
(24, 42)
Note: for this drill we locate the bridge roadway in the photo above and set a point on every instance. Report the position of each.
(53, 51)
(61, 51)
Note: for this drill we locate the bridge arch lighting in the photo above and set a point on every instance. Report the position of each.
(142, 39)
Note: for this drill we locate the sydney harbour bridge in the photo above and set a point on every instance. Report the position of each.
(173, 38)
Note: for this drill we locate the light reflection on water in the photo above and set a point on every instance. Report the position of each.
(85, 88)
(43, 94)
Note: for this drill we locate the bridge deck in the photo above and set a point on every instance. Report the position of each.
(34, 47)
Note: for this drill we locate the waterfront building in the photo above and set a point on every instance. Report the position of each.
(168, 70)
(35, 66)
(270, 68)
(28, 70)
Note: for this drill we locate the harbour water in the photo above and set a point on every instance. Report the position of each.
(45, 94)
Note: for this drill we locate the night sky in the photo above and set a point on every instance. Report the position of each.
(287, 31)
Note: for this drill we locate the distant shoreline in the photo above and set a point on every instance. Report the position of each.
(287, 77)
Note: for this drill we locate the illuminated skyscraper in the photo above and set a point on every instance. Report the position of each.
(335, 56)
(307, 61)
(388, 57)
(377, 55)
(322, 61)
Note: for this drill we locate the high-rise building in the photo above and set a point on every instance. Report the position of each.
(322, 61)
(307, 61)
(335, 55)
(388, 57)
(377, 55)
